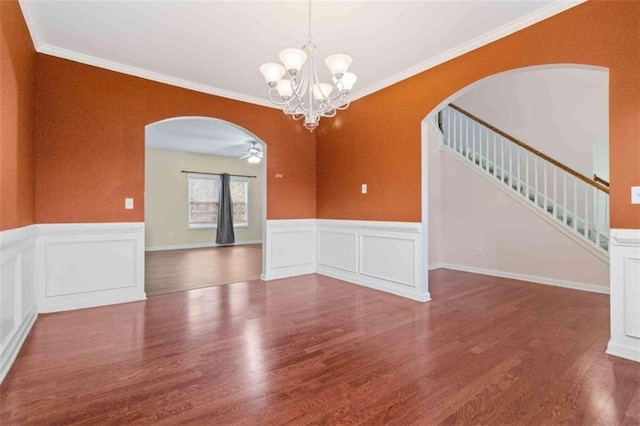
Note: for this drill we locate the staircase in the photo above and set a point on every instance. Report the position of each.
(575, 202)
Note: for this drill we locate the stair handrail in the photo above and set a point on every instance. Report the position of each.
(600, 180)
(593, 182)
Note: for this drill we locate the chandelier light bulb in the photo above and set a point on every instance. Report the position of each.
(272, 72)
(346, 82)
(293, 59)
(285, 89)
(338, 64)
(322, 91)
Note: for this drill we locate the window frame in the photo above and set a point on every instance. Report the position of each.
(209, 225)
(244, 180)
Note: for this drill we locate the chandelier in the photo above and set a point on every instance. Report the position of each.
(301, 94)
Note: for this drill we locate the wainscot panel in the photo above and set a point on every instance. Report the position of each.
(625, 294)
(84, 265)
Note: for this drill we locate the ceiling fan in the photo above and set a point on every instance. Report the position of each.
(253, 155)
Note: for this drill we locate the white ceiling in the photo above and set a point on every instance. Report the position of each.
(217, 46)
(199, 135)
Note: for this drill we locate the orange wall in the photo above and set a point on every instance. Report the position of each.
(90, 143)
(17, 58)
(377, 140)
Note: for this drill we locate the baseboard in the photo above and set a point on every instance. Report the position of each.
(88, 300)
(530, 278)
(623, 351)
(392, 288)
(433, 266)
(10, 353)
(200, 245)
(288, 272)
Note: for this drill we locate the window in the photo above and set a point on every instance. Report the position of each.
(240, 199)
(204, 195)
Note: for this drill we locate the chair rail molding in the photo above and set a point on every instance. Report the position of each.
(83, 265)
(625, 294)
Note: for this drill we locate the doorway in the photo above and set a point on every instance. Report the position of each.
(185, 158)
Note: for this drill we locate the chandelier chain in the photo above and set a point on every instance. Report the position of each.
(309, 35)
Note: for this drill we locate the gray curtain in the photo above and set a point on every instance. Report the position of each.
(225, 234)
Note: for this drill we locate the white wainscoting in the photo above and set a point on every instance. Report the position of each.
(384, 256)
(17, 292)
(625, 294)
(89, 264)
(290, 248)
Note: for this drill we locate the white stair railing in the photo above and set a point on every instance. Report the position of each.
(577, 202)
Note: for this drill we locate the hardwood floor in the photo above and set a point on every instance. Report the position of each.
(314, 350)
(168, 271)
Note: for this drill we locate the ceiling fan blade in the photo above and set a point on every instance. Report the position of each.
(245, 156)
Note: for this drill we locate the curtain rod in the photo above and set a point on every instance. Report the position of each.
(216, 174)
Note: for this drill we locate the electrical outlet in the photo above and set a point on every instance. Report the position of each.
(364, 188)
(478, 251)
(128, 203)
(635, 195)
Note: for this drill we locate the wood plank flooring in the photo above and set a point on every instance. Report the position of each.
(314, 350)
(168, 271)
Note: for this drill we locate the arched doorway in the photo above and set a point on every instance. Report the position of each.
(185, 158)
(464, 249)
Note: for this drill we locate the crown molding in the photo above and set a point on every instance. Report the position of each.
(32, 24)
(500, 32)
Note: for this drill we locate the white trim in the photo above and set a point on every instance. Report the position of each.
(489, 37)
(625, 237)
(530, 278)
(200, 245)
(369, 225)
(10, 353)
(623, 351)
(375, 284)
(69, 229)
(90, 300)
(32, 23)
(17, 235)
(433, 266)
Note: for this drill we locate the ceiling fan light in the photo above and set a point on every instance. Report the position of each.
(293, 59)
(254, 159)
(321, 91)
(284, 89)
(338, 64)
(272, 72)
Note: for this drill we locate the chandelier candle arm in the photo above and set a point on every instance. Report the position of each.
(297, 88)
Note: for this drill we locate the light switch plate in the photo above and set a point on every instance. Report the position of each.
(128, 203)
(635, 195)
(364, 188)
